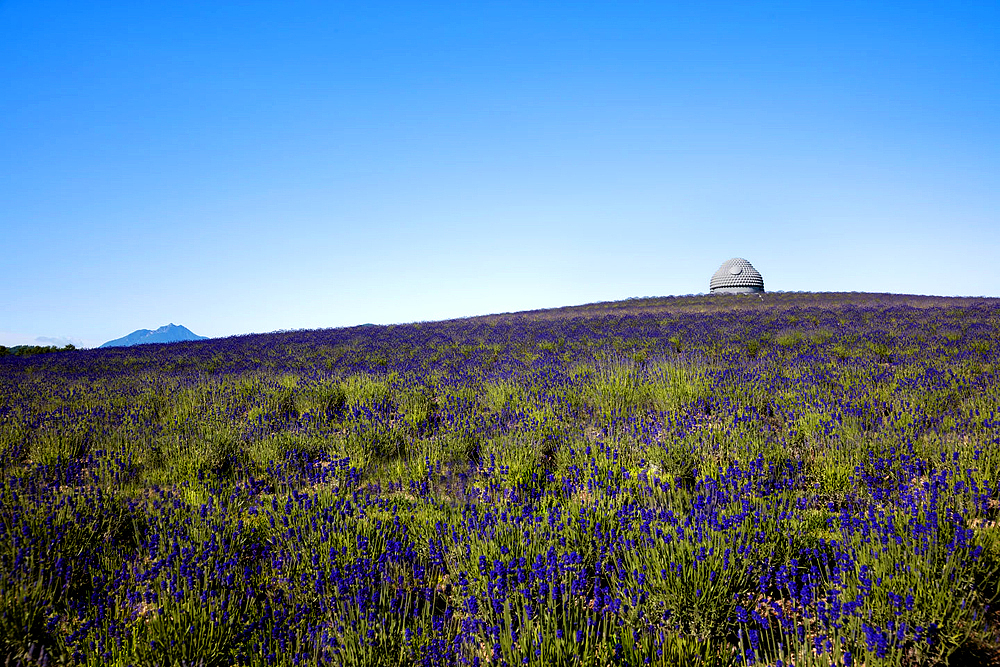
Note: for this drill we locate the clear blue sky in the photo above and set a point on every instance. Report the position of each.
(246, 166)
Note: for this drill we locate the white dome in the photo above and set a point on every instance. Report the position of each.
(736, 276)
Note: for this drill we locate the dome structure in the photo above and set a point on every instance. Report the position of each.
(736, 276)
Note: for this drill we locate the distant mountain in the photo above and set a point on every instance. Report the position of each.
(170, 333)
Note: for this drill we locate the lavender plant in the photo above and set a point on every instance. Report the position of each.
(807, 480)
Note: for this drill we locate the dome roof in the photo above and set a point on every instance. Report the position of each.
(736, 276)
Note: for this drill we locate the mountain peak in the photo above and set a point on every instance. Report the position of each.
(168, 333)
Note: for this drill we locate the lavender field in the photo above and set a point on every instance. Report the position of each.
(807, 479)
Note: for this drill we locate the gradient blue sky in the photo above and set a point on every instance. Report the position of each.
(243, 167)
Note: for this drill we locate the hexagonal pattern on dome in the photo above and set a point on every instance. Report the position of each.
(736, 276)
